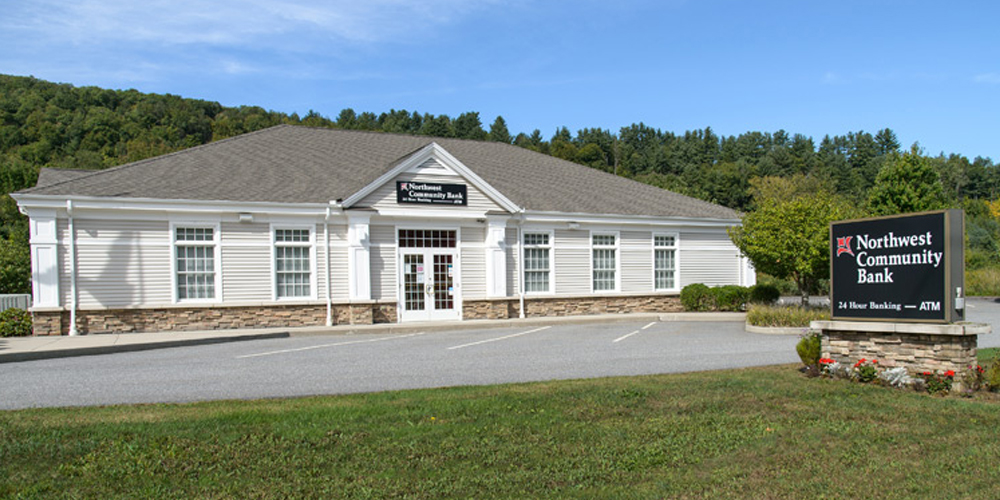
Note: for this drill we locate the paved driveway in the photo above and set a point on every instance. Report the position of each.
(301, 366)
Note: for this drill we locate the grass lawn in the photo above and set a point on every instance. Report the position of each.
(752, 433)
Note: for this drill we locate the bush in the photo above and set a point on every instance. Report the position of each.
(785, 287)
(762, 293)
(983, 282)
(697, 297)
(730, 297)
(809, 348)
(15, 323)
(992, 376)
(790, 316)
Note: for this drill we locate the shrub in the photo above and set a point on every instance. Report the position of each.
(866, 371)
(992, 376)
(697, 297)
(896, 377)
(15, 323)
(784, 287)
(938, 383)
(983, 282)
(762, 293)
(730, 297)
(790, 316)
(809, 348)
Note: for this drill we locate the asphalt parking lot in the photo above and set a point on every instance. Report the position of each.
(341, 364)
(301, 366)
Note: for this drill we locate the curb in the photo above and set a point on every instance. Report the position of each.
(15, 357)
(776, 330)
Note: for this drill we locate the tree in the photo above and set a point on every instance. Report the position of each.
(499, 132)
(907, 183)
(15, 264)
(468, 126)
(789, 237)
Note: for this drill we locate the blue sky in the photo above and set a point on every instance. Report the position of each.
(928, 70)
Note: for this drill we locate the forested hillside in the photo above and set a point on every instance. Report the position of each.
(43, 124)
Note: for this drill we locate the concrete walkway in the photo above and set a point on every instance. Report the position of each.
(17, 349)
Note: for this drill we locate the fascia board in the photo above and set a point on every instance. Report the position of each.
(433, 150)
(30, 201)
(538, 216)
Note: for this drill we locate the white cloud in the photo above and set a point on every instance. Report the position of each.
(231, 22)
(993, 78)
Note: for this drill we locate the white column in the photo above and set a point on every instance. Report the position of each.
(358, 256)
(44, 258)
(749, 273)
(496, 257)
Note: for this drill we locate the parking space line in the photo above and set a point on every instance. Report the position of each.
(499, 338)
(335, 344)
(647, 326)
(623, 337)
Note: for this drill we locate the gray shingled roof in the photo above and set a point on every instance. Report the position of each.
(302, 164)
(49, 176)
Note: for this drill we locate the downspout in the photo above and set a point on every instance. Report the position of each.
(72, 270)
(326, 253)
(520, 261)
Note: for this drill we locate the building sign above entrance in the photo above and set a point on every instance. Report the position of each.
(430, 193)
(907, 268)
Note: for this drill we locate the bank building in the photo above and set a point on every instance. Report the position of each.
(298, 226)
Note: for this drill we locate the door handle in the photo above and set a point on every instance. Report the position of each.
(429, 288)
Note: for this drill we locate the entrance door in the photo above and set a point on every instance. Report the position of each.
(428, 275)
(428, 285)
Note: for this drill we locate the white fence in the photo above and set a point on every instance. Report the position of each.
(10, 301)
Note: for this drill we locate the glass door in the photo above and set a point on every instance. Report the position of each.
(428, 285)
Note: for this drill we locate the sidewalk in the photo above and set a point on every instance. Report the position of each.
(15, 349)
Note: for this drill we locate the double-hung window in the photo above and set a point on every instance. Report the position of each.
(293, 263)
(604, 261)
(195, 262)
(537, 262)
(665, 261)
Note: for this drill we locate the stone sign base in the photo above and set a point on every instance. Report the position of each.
(918, 347)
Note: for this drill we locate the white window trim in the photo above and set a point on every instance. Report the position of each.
(677, 260)
(216, 228)
(618, 259)
(552, 260)
(313, 292)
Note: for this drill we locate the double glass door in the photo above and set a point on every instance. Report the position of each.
(428, 285)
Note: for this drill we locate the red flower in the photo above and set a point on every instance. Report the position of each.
(927, 373)
(949, 373)
(874, 361)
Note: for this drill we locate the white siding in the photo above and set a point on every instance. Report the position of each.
(709, 258)
(246, 262)
(385, 196)
(513, 270)
(338, 263)
(119, 263)
(636, 257)
(383, 262)
(473, 262)
(572, 262)
(246, 274)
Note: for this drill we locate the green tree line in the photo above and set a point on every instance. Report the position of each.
(45, 124)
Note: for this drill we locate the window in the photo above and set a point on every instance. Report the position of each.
(665, 261)
(292, 263)
(426, 238)
(195, 262)
(536, 262)
(604, 254)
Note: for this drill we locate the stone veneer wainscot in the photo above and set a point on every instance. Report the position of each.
(918, 347)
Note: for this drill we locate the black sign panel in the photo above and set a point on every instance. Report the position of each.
(906, 268)
(430, 193)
